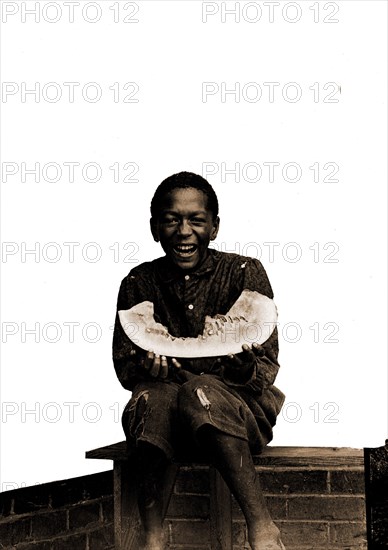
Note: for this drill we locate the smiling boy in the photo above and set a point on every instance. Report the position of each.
(233, 413)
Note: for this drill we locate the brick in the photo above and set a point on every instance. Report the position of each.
(71, 542)
(50, 524)
(348, 533)
(347, 482)
(276, 506)
(82, 488)
(326, 508)
(101, 539)
(107, 510)
(194, 481)
(6, 504)
(83, 515)
(294, 533)
(192, 506)
(14, 531)
(314, 481)
(31, 499)
(189, 532)
(56, 494)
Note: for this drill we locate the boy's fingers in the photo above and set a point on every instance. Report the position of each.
(163, 367)
(247, 354)
(233, 360)
(154, 370)
(175, 363)
(149, 359)
(258, 350)
(241, 360)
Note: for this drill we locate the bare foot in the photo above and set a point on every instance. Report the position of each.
(265, 536)
(154, 541)
(154, 545)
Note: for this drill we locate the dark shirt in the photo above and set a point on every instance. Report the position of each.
(181, 302)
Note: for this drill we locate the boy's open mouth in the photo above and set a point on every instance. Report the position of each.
(185, 250)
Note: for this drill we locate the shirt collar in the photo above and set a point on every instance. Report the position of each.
(168, 271)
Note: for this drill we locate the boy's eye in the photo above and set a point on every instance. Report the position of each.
(169, 220)
(198, 220)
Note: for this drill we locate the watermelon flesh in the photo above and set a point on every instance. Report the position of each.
(252, 318)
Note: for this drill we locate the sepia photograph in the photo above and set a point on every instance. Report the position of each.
(193, 275)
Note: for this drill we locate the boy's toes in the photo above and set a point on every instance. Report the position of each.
(272, 545)
(266, 538)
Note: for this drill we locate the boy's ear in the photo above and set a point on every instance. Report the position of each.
(154, 230)
(216, 226)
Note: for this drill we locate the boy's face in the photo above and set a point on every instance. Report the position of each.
(185, 227)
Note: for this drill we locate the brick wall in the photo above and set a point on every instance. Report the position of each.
(75, 514)
(315, 508)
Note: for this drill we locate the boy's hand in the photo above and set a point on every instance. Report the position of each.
(158, 365)
(242, 362)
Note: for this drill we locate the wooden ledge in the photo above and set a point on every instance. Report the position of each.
(301, 457)
(117, 451)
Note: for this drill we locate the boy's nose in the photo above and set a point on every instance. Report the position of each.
(184, 228)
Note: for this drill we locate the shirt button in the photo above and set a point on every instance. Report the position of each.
(190, 306)
(187, 277)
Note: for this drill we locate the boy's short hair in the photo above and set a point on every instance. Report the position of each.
(184, 180)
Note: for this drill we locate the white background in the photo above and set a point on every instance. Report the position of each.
(334, 272)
